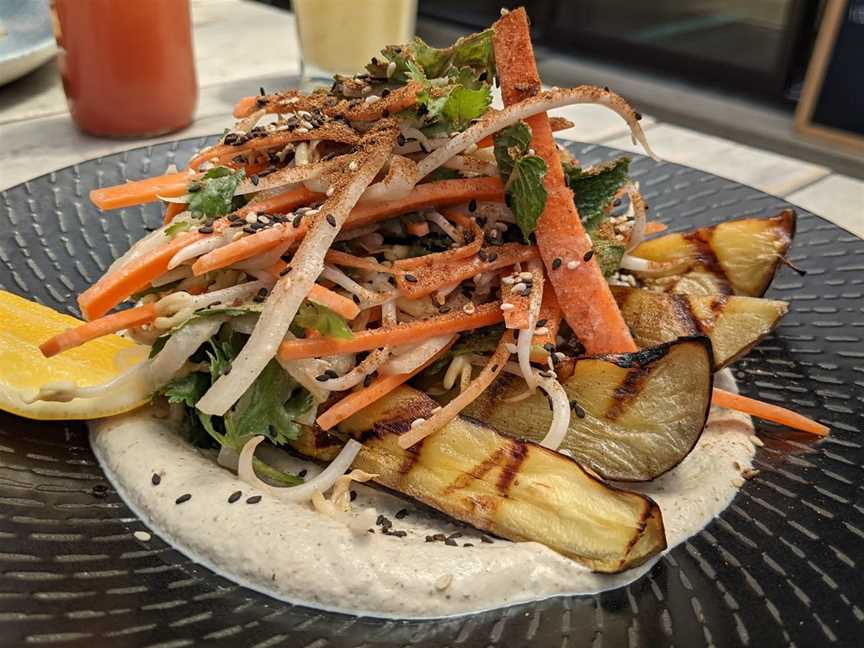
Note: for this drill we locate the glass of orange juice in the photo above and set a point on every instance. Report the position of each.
(341, 36)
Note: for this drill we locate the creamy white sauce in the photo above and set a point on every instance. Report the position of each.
(293, 553)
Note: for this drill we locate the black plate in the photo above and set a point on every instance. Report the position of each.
(780, 566)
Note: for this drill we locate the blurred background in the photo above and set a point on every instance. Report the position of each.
(765, 92)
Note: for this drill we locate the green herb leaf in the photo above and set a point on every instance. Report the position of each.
(216, 193)
(474, 52)
(526, 195)
(188, 389)
(464, 105)
(608, 255)
(269, 407)
(511, 143)
(177, 226)
(594, 188)
(322, 319)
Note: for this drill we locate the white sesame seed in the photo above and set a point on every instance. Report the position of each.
(504, 11)
(329, 191)
(559, 356)
(312, 212)
(519, 287)
(508, 280)
(143, 536)
(737, 482)
(372, 99)
(469, 308)
(304, 114)
(352, 165)
(306, 124)
(526, 275)
(263, 220)
(757, 441)
(530, 151)
(301, 130)
(541, 330)
(391, 68)
(251, 218)
(417, 422)
(443, 581)
(572, 265)
(507, 306)
(237, 235)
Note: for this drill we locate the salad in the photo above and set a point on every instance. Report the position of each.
(393, 275)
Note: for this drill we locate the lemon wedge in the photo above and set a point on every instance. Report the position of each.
(24, 325)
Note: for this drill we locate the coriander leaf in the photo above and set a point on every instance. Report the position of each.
(608, 255)
(526, 195)
(511, 143)
(269, 407)
(188, 389)
(322, 319)
(594, 188)
(216, 192)
(474, 51)
(464, 105)
(221, 357)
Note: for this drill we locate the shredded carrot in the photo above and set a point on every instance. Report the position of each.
(654, 227)
(138, 192)
(365, 396)
(426, 280)
(517, 317)
(473, 231)
(339, 304)
(246, 106)
(402, 333)
(550, 319)
(116, 286)
(346, 260)
(172, 210)
(467, 396)
(74, 337)
(445, 192)
(769, 412)
(582, 291)
(419, 228)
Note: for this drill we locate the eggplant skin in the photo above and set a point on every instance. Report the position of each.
(509, 487)
(635, 415)
(737, 257)
(734, 324)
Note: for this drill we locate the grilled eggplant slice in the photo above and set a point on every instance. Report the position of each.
(734, 324)
(509, 487)
(737, 257)
(636, 415)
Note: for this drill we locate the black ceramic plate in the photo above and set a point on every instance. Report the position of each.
(779, 567)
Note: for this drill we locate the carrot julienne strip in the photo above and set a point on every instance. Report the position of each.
(769, 412)
(362, 398)
(74, 337)
(402, 333)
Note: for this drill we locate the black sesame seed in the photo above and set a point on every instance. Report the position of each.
(486, 539)
(353, 495)
(261, 90)
(331, 374)
(253, 179)
(556, 263)
(483, 76)
(253, 500)
(638, 116)
(400, 140)
(450, 542)
(588, 255)
(207, 229)
(385, 92)
(391, 280)
(233, 497)
(467, 544)
(331, 219)
(616, 202)
(249, 229)
(549, 347)
(494, 368)
(367, 380)
(302, 473)
(401, 513)
(410, 278)
(297, 220)
(541, 323)
(355, 298)
(398, 534)
(472, 206)
(577, 409)
(322, 377)
(285, 271)
(444, 310)
(233, 218)
(238, 223)
(183, 498)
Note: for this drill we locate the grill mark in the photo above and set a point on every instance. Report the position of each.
(717, 304)
(683, 313)
(703, 253)
(518, 450)
(627, 391)
(478, 472)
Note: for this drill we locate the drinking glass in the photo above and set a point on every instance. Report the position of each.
(341, 36)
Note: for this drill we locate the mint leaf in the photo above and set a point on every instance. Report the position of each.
(511, 143)
(474, 52)
(322, 319)
(594, 188)
(464, 105)
(269, 407)
(213, 195)
(526, 195)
